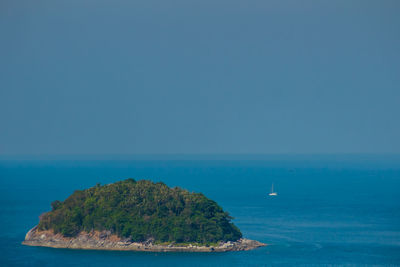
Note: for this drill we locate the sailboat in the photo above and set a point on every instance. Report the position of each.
(272, 191)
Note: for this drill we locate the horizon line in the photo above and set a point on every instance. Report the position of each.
(190, 156)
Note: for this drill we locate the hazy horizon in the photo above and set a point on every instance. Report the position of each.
(351, 160)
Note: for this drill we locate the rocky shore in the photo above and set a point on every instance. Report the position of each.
(107, 241)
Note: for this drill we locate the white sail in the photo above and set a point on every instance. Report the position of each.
(272, 191)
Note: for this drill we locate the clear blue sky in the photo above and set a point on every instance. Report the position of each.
(133, 77)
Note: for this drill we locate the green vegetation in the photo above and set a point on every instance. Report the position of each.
(142, 210)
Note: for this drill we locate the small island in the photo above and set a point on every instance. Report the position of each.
(139, 216)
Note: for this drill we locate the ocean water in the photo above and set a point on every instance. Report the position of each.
(330, 211)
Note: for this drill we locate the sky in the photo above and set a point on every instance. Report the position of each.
(199, 77)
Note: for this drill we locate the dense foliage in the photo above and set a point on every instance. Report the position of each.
(141, 210)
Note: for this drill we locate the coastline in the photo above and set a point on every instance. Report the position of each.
(104, 240)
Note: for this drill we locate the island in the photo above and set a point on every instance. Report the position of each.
(139, 216)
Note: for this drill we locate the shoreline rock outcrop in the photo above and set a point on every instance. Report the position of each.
(105, 240)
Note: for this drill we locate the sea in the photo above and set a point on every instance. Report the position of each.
(331, 210)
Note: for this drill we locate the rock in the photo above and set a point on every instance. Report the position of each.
(107, 241)
(104, 234)
(123, 243)
(149, 241)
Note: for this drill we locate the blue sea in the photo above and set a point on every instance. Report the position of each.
(330, 210)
